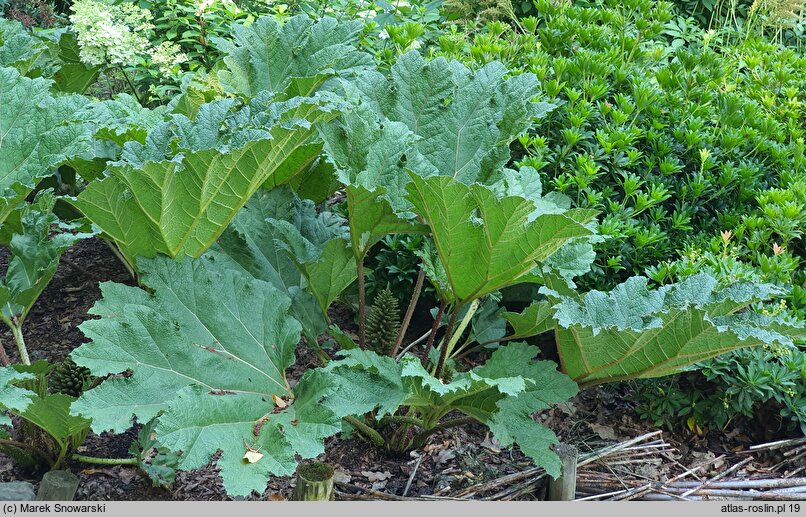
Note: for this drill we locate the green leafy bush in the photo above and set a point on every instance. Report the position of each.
(671, 145)
(757, 384)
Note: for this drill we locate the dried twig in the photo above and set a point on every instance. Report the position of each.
(775, 445)
(413, 473)
(718, 477)
(746, 483)
(535, 474)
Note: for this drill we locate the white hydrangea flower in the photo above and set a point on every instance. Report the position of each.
(108, 33)
(202, 6)
(167, 57)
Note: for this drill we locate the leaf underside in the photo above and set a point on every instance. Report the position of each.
(634, 331)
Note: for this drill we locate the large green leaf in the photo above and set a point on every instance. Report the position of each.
(634, 331)
(37, 132)
(366, 381)
(73, 76)
(180, 206)
(372, 218)
(535, 319)
(370, 152)
(332, 273)
(198, 423)
(272, 238)
(18, 48)
(513, 422)
(460, 123)
(206, 354)
(486, 242)
(266, 56)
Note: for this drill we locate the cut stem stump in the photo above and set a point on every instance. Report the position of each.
(314, 482)
(564, 488)
(57, 485)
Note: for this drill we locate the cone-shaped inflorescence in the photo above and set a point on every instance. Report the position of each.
(69, 378)
(383, 322)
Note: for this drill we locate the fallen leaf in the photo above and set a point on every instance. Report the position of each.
(279, 402)
(127, 475)
(340, 476)
(491, 444)
(604, 432)
(568, 408)
(444, 457)
(276, 497)
(376, 476)
(252, 456)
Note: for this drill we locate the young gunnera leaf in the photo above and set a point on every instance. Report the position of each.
(206, 354)
(513, 422)
(179, 206)
(634, 331)
(51, 413)
(282, 240)
(267, 55)
(503, 393)
(486, 242)
(35, 252)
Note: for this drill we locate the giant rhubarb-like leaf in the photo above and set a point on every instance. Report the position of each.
(206, 354)
(486, 242)
(18, 48)
(179, 206)
(503, 393)
(282, 240)
(37, 132)
(460, 122)
(266, 56)
(634, 331)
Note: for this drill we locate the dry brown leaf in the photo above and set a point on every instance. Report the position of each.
(604, 432)
(252, 456)
(376, 476)
(340, 476)
(491, 444)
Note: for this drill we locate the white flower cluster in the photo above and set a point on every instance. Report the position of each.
(110, 34)
(116, 34)
(202, 6)
(167, 56)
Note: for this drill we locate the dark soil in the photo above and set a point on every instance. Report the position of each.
(451, 461)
